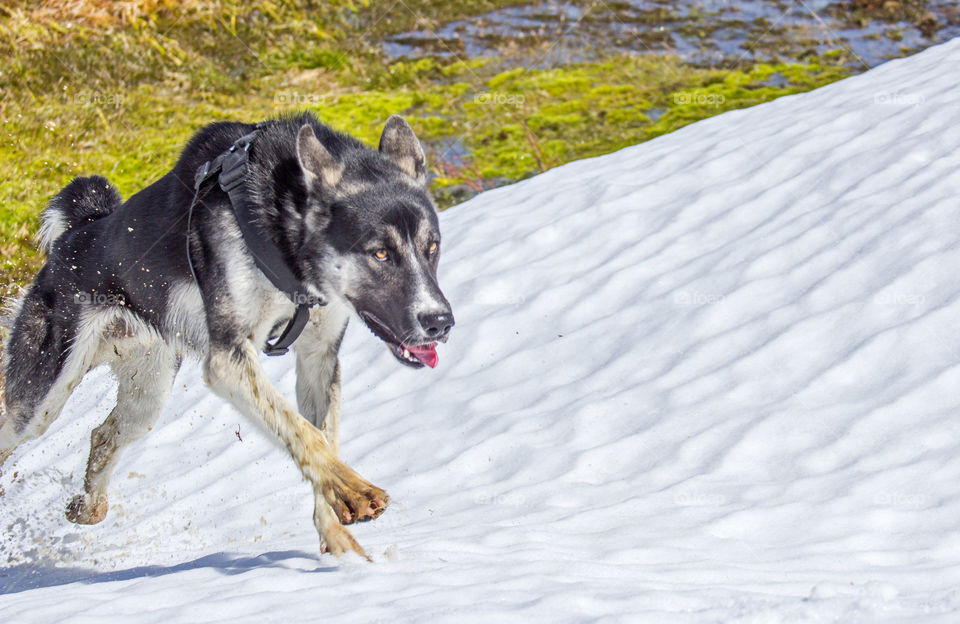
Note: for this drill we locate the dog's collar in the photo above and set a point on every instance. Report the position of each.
(231, 166)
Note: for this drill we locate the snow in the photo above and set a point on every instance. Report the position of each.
(711, 377)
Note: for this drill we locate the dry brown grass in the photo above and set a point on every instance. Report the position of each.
(107, 12)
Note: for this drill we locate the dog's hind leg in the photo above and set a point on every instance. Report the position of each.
(145, 372)
(340, 494)
(46, 357)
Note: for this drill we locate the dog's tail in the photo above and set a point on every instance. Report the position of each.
(8, 314)
(84, 199)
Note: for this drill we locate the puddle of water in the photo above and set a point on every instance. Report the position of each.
(704, 32)
(454, 159)
(777, 80)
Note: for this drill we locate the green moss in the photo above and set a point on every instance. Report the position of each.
(894, 34)
(524, 120)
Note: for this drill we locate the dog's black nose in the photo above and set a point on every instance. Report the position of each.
(436, 326)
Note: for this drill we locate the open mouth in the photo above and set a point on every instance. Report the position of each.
(415, 356)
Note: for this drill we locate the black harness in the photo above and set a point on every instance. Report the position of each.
(232, 167)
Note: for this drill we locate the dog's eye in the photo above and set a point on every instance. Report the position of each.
(381, 254)
(432, 249)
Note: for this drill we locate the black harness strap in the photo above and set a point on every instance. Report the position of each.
(232, 167)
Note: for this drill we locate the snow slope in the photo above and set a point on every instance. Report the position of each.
(712, 377)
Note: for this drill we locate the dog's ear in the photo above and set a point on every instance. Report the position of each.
(315, 160)
(400, 144)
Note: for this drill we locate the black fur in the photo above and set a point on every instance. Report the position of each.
(86, 199)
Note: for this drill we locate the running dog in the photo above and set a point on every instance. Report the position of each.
(310, 228)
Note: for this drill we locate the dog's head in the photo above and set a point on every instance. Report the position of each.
(376, 240)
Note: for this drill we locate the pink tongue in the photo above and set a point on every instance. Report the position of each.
(427, 354)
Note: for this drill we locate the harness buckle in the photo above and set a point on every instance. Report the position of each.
(234, 165)
(233, 170)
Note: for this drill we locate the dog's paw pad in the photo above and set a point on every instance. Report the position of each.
(357, 505)
(377, 504)
(366, 506)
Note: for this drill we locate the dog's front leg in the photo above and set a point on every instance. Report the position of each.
(340, 494)
(318, 372)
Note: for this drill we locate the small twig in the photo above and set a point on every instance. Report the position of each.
(534, 144)
(238, 433)
(826, 29)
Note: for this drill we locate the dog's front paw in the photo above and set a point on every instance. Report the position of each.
(334, 539)
(353, 498)
(338, 541)
(83, 510)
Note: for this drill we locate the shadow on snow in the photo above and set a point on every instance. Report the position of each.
(39, 574)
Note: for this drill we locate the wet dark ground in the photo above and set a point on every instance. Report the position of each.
(717, 33)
